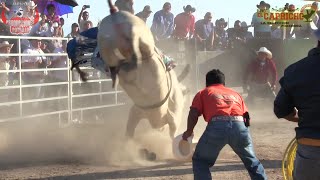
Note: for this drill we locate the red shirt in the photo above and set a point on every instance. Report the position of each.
(184, 24)
(262, 73)
(218, 100)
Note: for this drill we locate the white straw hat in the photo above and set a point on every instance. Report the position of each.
(265, 50)
(183, 150)
(5, 44)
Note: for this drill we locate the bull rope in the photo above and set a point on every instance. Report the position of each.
(288, 160)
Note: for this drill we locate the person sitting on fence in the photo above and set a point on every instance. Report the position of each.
(184, 23)
(204, 32)
(34, 62)
(221, 36)
(245, 30)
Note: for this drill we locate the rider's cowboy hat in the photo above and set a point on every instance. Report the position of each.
(265, 50)
(32, 5)
(5, 44)
(189, 8)
(262, 3)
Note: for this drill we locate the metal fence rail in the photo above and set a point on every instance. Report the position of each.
(67, 99)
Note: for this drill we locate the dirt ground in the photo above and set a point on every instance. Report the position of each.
(98, 152)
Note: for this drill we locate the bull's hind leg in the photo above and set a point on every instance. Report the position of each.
(134, 118)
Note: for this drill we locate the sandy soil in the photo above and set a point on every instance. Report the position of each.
(99, 152)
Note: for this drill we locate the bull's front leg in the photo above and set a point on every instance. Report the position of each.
(134, 118)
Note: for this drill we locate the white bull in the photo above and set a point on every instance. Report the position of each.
(127, 46)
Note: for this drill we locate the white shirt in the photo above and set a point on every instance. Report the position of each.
(60, 74)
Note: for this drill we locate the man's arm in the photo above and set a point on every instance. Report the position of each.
(293, 117)
(171, 26)
(284, 105)
(80, 14)
(192, 24)
(192, 121)
(274, 73)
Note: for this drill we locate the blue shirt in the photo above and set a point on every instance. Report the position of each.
(204, 30)
(258, 27)
(300, 88)
(162, 25)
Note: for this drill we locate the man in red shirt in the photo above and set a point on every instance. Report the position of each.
(184, 23)
(226, 113)
(261, 76)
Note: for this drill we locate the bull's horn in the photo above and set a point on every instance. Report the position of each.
(113, 8)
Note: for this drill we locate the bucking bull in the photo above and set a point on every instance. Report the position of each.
(127, 47)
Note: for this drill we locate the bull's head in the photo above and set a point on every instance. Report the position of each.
(120, 40)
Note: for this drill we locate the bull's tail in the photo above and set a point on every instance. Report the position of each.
(113, 8)
(184, 73)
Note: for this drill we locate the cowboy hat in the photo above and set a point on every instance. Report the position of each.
(265, 50)
(147, 8)
(32, 5)
(262, 3)
(244, 25)
(222, 21)
(5, 44)
(189, 8)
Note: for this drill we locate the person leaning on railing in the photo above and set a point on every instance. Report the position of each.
(33, 62)
(299, 101)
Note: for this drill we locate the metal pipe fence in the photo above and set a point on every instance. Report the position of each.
(67, 98)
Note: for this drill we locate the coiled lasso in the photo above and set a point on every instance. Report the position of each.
(288, 160)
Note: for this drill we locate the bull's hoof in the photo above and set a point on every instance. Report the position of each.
(145, 154)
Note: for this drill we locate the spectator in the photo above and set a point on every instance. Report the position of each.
(220, 34)
(163, 23)
(31, 9)
(145, 13)
(236, 36)
(42, 28)
(306, 28)
(51, 16)
(204, 32)
(85, 17)
(247, 34)
(57, 30)
(125, 5)
(74, 31)
(298, 101)
(62, 24)
(184, 23)
(227, 116)
(33, 62)
(44, 46)
(5, 48)
(261, 30)
(276, 32)
(4, 7)
(258, 74)
(87, 25)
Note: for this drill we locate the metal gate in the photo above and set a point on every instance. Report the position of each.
(65, 98)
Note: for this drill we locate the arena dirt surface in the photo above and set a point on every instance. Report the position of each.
(99, 152)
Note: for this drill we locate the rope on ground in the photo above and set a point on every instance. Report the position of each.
(288, 160)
